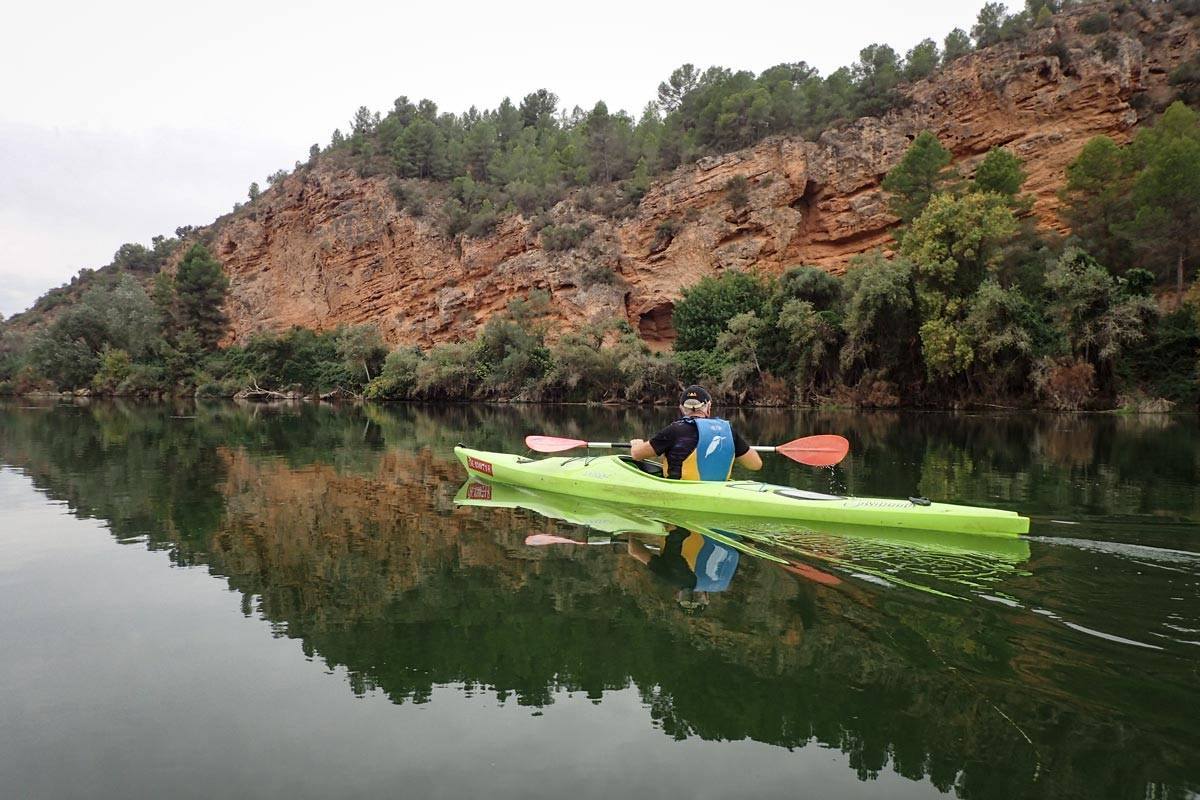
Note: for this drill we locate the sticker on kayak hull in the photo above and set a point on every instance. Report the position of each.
(479, 491)
(479, 466)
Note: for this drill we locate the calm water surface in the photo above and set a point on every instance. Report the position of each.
(239, 601)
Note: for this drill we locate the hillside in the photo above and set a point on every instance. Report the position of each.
(324, 247)
(1048, 182)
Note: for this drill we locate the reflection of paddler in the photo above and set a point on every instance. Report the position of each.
(691, 562)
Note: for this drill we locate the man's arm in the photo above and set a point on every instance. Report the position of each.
(640, 449)
(661, 443)
(750, 460)
(744, 455)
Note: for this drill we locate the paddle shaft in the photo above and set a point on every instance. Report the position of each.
(761, 448)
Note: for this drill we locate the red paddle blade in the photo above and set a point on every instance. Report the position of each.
(552, 444)
(816, 451)
(538, 539)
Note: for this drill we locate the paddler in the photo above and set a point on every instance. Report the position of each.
(697, 446)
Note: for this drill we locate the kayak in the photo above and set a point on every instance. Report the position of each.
(891, 544)
(619, 479)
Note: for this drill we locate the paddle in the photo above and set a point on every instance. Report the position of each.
(816, 451)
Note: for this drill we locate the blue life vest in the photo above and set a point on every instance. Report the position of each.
(712, 460)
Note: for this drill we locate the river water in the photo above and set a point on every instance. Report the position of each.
(247, 601)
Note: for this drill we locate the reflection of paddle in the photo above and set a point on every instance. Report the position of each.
(538, 539)
(816, 451)
(815, 575)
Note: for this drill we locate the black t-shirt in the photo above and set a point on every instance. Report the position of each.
(678, 440)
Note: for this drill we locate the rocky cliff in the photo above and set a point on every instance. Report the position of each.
(325, 248)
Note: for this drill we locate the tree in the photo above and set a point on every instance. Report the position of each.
(672, 91)
(67, 353)
(126, 316)
(1166, 193)
(421, 151)
(876, 75)
(537, 109)
(360, 346)
(739, 344)
(363, 123)
(136, 258)
(1000, 172)
(920, 173)
(1096, 200)
(706, 307)
(922, 60)
(999, 328)
(201, 288)
(880, 317)
(1096, 319)
(607, 138)
(954, 244)
(812, 338)
(806, 307)
(254, 192)
(956, 45)
(989, 24)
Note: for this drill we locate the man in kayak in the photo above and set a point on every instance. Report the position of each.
(697, 447)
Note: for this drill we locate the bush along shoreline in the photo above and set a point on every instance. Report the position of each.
(974, 308)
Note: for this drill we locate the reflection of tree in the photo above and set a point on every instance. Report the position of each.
(338, 525)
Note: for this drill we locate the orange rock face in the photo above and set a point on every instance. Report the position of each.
(324, 248)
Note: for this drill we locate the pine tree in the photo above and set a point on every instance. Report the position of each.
(200, 291)
(1166, 194)
(1000, 172)
(918, 176)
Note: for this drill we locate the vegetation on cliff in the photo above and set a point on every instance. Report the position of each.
(971, 305)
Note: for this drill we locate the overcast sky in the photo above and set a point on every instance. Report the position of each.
(123, 120)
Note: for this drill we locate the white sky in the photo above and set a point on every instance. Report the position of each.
(122, 120)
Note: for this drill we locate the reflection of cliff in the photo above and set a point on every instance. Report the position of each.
(377, 574)
(338, 527)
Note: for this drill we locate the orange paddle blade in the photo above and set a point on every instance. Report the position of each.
(816, 451)
(552, 444)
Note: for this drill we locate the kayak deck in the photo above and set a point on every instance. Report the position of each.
(618, 479)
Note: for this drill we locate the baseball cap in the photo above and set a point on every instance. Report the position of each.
(694, 397)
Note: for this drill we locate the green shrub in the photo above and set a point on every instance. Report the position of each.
(1108, 48)
(448, 372)
(707, 306)
(700, 366)
(664, 234)
(1095, 23)
(564, 237)
(398, 379)
(596, 273)
(115, 366)
(483, 222)
(737, 192)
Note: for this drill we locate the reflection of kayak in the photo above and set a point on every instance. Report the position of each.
(575, 510)
(748, 534)
(618, 479)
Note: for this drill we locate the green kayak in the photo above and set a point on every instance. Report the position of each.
(618, 479)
